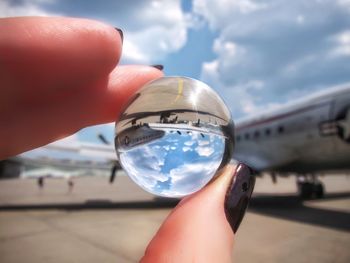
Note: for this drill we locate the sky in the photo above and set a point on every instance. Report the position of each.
(257, 55)
(176, 164)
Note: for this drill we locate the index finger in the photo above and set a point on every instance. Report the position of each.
(42, 58)
(58, 75)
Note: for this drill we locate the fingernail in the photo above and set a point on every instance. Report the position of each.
(238, 195)
(159, 67)
(120, 33)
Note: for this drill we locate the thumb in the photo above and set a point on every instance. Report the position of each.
(197, 229)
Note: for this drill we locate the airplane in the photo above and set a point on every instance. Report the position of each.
(164, 115)
(62, 159)
(144, 133)
(305, 137)
(137, 135)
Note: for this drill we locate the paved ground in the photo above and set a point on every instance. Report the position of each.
(99, 222)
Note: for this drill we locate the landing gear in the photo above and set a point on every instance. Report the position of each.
(305, 190)
(319, 190)
(310, 187)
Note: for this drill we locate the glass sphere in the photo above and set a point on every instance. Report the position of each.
(174, 135)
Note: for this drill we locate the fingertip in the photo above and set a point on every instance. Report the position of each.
(190, 229)
(109, 101)
(126, 80)
(140, 74)
(98, 41)
(109, 41)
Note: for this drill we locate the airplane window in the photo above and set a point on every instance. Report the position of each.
(267, 131)
(280, 129)
(256, 134)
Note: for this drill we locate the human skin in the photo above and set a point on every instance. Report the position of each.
(59, 75)
(197, 229)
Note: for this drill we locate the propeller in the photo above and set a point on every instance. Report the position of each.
(274, 178)
(115, 166)
(113, 173)
(103, 139)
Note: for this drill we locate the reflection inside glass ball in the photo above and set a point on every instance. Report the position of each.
(174, 135)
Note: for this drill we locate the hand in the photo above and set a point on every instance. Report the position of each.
(59, 75)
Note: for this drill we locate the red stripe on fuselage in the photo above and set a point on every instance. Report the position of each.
(281, 116)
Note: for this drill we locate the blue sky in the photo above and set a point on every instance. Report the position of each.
(256, 54)
(176, 164)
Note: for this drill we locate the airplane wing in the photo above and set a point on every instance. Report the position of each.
(85, 149)
(63, 158)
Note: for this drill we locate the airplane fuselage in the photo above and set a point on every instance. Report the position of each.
(308, 136)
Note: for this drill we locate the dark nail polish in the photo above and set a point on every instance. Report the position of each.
(120, 33)
(160, 67)
(238, 195)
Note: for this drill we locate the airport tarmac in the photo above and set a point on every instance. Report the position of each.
(99, 222)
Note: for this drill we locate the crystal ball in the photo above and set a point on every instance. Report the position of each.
(174, 135)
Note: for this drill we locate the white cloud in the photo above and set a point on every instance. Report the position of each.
(203, 142)
(166, 147)
(144, 165)
(189, 143)
(205, 151)
(159, 28)
(344, 4)
(300, 19)
(152, 29)
(186, 149)
(238, 96)
(295, 66)
(342, 41)
(155, 41)
(269, 52)
(191, 177)
(26, 8)
(217, 13)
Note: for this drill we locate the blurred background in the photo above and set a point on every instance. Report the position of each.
(57, 203)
